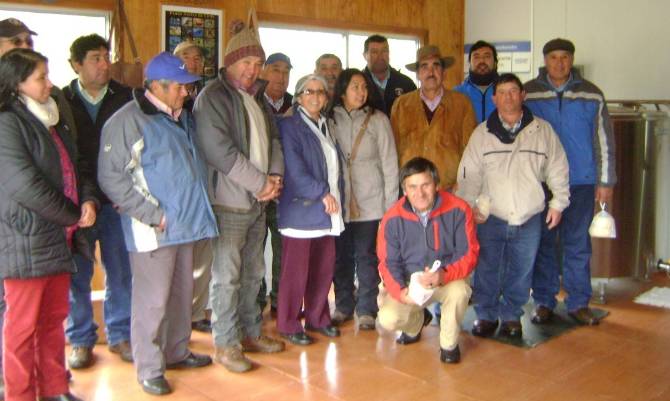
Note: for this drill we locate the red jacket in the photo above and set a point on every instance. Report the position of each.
(405, 246)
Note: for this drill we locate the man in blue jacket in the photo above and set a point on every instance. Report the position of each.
(478, 85)
(576, 110)
(151, 169)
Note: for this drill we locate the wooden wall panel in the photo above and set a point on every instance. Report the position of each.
(442, 20)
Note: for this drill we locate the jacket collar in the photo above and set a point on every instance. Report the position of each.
(71, 93)
(544, 79)
(257, 89)
(495, 127)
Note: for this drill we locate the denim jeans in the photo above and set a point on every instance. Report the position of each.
(81, 329)
(504, 271)
(237, 272)
(574, 251)
(355, 254)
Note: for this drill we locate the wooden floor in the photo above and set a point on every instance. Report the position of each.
(627, 357)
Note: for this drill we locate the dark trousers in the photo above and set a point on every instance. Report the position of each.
(34, 340)
(275, 239)
(356, 254)
(306, 275)
(161, 307)
(574, 252)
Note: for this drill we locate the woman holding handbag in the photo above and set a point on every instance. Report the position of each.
(371, 187)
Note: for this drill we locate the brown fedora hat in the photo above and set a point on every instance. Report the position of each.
(430, 51)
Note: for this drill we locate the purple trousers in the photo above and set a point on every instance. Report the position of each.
(307, 267)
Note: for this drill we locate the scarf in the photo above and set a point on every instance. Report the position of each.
(46, 112)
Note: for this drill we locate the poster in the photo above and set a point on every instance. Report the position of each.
(203, 26)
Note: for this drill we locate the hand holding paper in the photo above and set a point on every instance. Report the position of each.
(416, 291)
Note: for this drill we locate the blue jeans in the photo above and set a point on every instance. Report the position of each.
(355, 254)
(81, 329)
(505, 268)
(574, 252)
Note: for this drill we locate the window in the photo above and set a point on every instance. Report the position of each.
(305, 45)
(56, 30)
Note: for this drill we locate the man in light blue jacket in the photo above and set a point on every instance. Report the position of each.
(150, 168)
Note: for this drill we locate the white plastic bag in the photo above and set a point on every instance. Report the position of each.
(603, 225)
(416, 292)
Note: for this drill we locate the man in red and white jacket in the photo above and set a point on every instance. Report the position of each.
(424, 226)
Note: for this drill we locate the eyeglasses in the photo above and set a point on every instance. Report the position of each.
(317, 92)
(18, 41)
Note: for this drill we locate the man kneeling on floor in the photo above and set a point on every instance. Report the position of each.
(424, 227)
(150, 167)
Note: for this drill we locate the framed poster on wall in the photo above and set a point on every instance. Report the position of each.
(203, 26)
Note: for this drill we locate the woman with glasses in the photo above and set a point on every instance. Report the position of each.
(371, 187)
(42, 205)
(310, 214)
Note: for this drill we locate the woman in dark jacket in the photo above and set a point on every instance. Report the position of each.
(310, 214)
(41, 206)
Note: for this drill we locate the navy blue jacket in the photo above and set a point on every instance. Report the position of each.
(305, 177)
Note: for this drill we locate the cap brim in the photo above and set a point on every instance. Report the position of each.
(180, 78)
(446, 62)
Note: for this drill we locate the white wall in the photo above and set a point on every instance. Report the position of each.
(622, 45)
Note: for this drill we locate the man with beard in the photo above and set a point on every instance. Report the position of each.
(389, 83)
(478, 85)
(329, 66)
(432, 122)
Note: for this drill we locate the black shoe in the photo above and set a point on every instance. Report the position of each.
(300, 338)
(584, 316)
(542, 315)
(511, 328)
(60, 397)
(450, 356)
(406, 339)
(484, 328)
(156, 386)
(203, 326)
(328, 331)
(191, 361)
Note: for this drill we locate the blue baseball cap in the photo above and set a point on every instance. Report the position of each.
(274, 57)
(168, 67)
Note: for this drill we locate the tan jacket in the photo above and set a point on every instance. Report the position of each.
(443, 141)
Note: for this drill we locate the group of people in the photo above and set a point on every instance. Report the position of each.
(179, 182)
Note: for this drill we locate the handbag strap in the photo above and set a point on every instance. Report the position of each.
(359, 136)
(126, 25)
(354, 210)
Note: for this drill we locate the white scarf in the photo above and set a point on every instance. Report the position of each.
(46, 112)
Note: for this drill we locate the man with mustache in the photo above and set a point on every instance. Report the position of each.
(432, 122)
(329, 66)
(478, 85)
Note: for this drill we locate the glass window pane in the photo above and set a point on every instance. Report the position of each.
(55, 34)
(303, 48)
